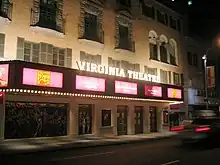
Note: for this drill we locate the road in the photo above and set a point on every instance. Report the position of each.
(150, 153)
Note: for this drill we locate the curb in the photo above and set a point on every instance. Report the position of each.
(80, 146)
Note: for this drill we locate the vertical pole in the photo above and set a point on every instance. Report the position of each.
(206, 82)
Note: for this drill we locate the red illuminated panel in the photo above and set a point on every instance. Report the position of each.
(4, 75)
(153, 91)
(42, 78)
(90, 83)
(125, 88)
(174, 93)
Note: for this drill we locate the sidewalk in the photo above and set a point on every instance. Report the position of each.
(58, 143)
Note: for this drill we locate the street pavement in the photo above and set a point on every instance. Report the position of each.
(162, 152)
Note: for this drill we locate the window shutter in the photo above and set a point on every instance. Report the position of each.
(43, 53)
(61, 57)
(170, 78)
(68, 58)
(36, 12)
(98, 59)
(49, 55)
(2, 44)
(109, 61)
(82, 56)
(35, 52)
(20, 48)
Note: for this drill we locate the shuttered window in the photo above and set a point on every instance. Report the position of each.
(43, 53)
(2, 44)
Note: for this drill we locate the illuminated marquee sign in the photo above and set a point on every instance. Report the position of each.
(90, 67)
(125, 88)
(174, 93)
(153, 91)
(90, 83)
(42, 78)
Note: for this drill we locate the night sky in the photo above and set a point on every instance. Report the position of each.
(204, 16)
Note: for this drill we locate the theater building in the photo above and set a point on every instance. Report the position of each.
(45, 101)
(88, 67)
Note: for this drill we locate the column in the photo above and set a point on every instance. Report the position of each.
(130, 121)
(96, 119)
(2, 121)
(168, 52)
(73, 119)
(159, 119)
(146, 120)
(158, 50)
(2, 118)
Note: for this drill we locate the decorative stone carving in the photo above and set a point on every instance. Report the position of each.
(123, 18)
(94, 7)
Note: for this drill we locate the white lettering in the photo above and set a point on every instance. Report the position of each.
(112, 71)
(101, 69)
(122, 73)
(130, 73)
(91, 67)
(81, 65)
(94, 68)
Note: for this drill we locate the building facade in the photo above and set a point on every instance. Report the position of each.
(98, 67)
(195, 77)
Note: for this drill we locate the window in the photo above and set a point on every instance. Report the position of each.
(153, 52)
(179, 25)
(176, 78)
(114, 63)
(91, 27)
(153, 48)
(95, 59)
(124, 41)
(48, 14)
(152, 71)
(173, 52)
(162, 17)
(163, 76)
(5, 9)
(129, 66)
(106, 118)
(31, 52)
(2, 44)
(192, 59)
(43, 53)
(148, 11)
(182, 79)
(173, 23)
(163, 52)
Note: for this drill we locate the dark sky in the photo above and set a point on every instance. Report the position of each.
(204, 16)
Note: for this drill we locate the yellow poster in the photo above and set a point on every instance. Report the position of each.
(43, 78)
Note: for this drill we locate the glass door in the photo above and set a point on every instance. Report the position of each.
(122, 112)
(153, 119)
(138, 120)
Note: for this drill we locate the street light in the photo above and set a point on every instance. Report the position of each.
(204, 57)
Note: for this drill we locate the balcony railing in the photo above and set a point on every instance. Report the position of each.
(45, 20)
(6, 10)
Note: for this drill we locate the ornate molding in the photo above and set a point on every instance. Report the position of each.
(94, 7)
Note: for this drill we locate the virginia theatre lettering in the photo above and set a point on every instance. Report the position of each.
(119, 72)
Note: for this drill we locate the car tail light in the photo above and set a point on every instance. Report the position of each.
(202, 129)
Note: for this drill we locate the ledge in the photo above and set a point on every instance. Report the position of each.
(91, 43)
(4, 21)
(124, 51)
(168, 64)
(46, 31)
